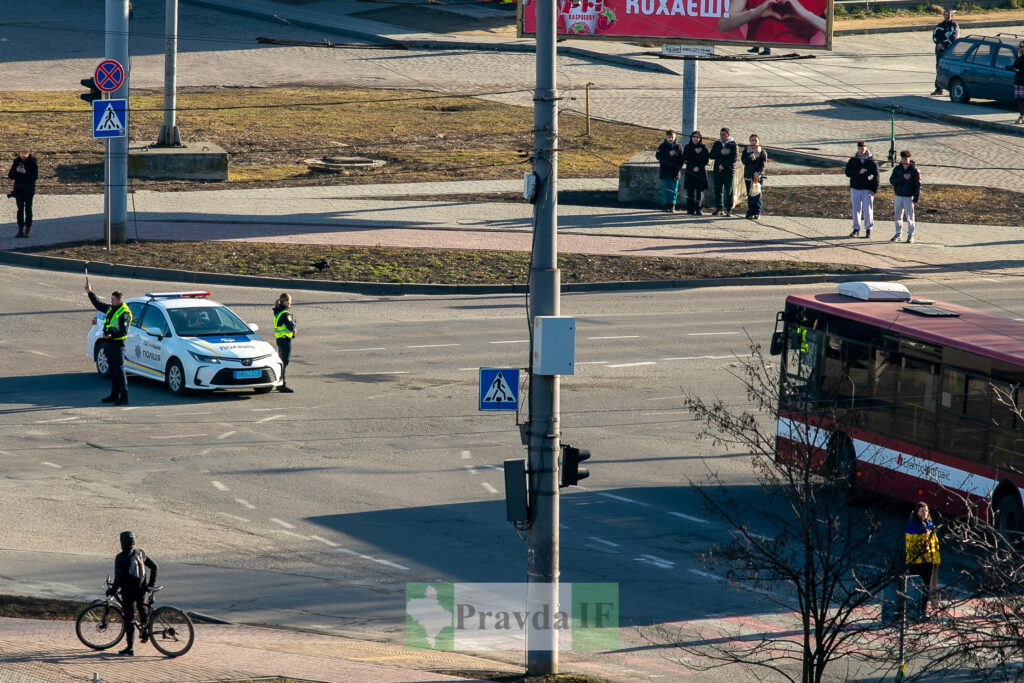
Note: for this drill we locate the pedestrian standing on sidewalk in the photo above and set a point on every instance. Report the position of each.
(754, 160)
(670, 156)
(723, 155)
(923, 552)
(695, 179)
(862, 171)
(1018, 81)
(284, 332)
(906, 184)
(943, 36)
(24, 172)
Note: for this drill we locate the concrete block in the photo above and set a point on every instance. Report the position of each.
(195, 161)
(638, 182)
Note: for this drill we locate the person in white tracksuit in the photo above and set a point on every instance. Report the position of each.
(906, 184)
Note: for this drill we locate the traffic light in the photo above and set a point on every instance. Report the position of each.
(94, 92)
(570, 472)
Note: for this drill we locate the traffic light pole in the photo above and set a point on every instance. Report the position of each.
(544, 428)
(116, 48)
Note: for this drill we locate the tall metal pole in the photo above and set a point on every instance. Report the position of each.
(169, 136)
(689, 97)
(116, 47)
(544, 430)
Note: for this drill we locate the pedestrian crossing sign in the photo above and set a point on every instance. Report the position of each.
(499, 388)
(109, 118)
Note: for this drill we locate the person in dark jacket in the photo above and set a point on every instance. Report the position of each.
(133, 589)
(695, 179)
(1018, 82)
(723, 156)
(24, 172)
(670, 157)
(284, 332)
(906, 184)
(943, 36)
(115, 330)
(862, 171)
(754, 160)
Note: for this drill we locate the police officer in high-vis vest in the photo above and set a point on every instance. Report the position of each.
(115, 330)
(284, 331)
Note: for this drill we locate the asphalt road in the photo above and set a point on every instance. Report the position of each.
(313, 509)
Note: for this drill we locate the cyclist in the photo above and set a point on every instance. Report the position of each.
(132, 587)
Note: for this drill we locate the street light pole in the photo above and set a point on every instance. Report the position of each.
(169, 136)
(544, 429)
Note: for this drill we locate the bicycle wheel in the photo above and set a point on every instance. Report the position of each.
(171, 631)
(100, 626)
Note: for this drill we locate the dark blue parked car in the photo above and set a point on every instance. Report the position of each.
(979, 66)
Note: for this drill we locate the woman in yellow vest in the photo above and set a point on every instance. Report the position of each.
(923, 551)
(284, 331)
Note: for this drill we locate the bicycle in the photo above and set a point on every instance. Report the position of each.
(101, 625)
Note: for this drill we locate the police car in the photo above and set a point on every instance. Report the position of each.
(188, 342)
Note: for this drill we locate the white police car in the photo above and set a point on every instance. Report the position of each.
(190, 342)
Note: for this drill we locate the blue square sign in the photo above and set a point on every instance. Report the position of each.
(109, 118)
(499, 388)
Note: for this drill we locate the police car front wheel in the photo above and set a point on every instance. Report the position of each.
(175, 377)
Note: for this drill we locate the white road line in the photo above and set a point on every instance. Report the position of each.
(594, 362)
(269, 418)
(244, 503)
(632, 365)
(706, 575)
(289, 533)
(621, 336)
(131, 408)
(493, 467)
(202, 412)
(621, 498)
(389, 564)
(488, 487)
(283, 523)
(511, 341)
(607, 543)
(393, 372)
(466, 454)
(234, 517)
(219, 486)
(4, 453)
(692, 519)
(470, 469)
(347, 551)
(699, 357)
(324, 541)
(429, 346)
(654, 562)
(655, 558)
(263, 410)
(663, 398)
(465, 369)
(371, 348)
(53, 464)
(58, 419)
(708, 334)
(40, 353)
(177, 436)
(226, 435)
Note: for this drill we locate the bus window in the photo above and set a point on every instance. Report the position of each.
(802, 355)
(1004, 416)
(916, 399)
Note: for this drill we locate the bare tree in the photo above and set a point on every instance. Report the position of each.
(800, 544)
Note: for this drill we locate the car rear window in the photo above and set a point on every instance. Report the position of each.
(958, 49)
(982, 56)
(1004, 58)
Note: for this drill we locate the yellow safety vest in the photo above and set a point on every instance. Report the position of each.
(279, 329)
(110, 323)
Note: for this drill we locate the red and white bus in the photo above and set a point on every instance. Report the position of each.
(899, 395)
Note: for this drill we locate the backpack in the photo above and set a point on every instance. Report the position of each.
(137, 568)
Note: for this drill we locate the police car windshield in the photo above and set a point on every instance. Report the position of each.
(206, 321)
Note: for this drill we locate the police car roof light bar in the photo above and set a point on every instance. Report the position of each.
(177, 295)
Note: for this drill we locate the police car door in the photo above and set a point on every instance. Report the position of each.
(146, 350)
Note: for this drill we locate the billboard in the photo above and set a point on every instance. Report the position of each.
(806, 24)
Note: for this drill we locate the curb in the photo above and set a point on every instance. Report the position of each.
(434, 44)
(928, 27)
(965, 121)
(403, 289)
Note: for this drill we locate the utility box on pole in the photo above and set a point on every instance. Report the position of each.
(554, 345)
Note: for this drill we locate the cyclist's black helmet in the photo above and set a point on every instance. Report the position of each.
(127, 540)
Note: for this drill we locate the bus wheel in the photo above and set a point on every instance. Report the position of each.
(1010, 517)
